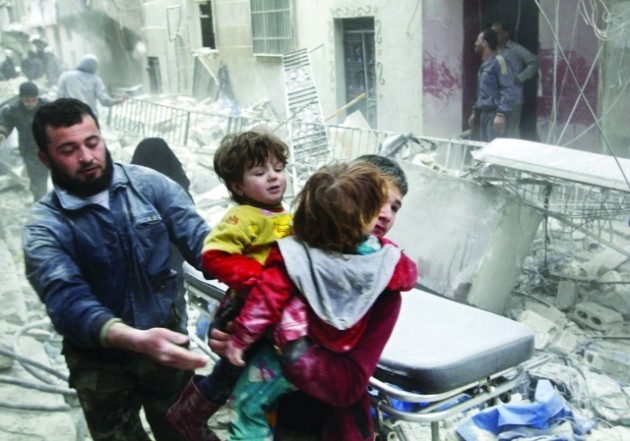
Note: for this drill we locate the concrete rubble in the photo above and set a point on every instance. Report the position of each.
(579, 307)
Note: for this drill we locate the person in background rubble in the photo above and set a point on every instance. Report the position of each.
(495, 90)
(310, 414)
(7, 67)
(524, 65)
(156, 154)
(52, 67)
(84, 84)
(318, 288)
(19, 115)
(32, 66)
(252, 166)
(96, 251)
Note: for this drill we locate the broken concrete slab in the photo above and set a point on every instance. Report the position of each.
(468, 240)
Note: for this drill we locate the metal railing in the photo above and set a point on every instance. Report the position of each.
(178, 124)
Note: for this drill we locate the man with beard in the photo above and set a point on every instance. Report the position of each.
(97, 253)
(19, 115)
(495, 90)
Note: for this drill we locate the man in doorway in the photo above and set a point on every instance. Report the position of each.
(495, 90)
(19, 115)
(524, 65)
(96, 251)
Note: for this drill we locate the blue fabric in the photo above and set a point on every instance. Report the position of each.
(89, 264)
(495, 86)
(509, 421)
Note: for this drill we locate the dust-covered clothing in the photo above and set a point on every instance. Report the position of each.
(17, 116)
(84, 84)
(112, 389)
(91, 266)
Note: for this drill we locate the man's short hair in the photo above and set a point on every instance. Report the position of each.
(63, 112)
(503, 25)
(28, 89)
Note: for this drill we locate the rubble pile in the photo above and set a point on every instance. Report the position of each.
(574, 293)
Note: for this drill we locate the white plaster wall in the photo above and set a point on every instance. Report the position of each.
(172, 46)
(253, 78)
(443, 67)
(314, 31)
(155, 36)
(400, 97)
(398, 47)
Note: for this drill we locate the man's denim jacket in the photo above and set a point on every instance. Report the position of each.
(90, 265)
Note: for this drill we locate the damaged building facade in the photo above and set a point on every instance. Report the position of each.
(408, 66)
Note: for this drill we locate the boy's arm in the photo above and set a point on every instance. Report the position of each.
(222, 255)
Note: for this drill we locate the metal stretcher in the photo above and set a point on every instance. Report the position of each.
(442, 359)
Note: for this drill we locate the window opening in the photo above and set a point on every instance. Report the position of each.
(271, 26)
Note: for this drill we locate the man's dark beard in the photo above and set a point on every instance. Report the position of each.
(83, 188)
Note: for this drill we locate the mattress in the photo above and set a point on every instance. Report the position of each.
(438, 345)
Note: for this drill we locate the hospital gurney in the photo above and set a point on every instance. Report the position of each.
(442, 359)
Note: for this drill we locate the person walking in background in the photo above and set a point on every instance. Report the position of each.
(32, 66)
(52, 67)
(96, 251)
(84, 84)
(524, 65)
(19, 115)
(495, 90)
(252, 166)
(7, 66)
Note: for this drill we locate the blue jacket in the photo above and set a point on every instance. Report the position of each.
(495, 86)
(90, 265)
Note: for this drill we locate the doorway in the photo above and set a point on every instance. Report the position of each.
(522, 18)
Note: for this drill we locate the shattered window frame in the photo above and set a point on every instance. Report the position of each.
(271, 26)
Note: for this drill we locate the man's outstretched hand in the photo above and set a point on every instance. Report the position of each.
(159, 344)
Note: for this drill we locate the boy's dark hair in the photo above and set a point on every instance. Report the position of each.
(239, 152)
(491, 37)
(337, 203)
(63, 112)
(389, 168)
